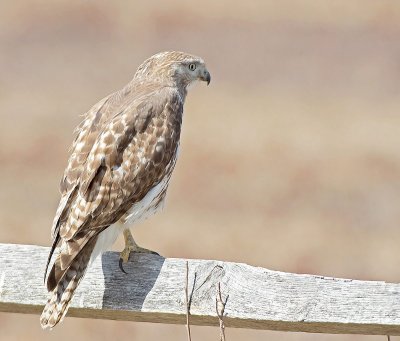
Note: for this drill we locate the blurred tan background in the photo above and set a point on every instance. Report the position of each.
(290, 159)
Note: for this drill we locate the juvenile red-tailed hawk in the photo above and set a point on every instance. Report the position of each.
(119, 169)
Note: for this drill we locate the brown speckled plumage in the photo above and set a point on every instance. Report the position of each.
(125, 146)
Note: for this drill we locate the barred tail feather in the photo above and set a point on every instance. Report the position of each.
(58, 303)
(60, 297)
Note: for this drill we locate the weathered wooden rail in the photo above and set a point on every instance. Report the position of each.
(154, 291)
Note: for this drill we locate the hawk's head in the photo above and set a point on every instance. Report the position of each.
(179, 68)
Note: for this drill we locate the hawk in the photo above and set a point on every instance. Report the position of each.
(118, 172)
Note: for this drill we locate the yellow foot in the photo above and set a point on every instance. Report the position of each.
(124, 255)
(131, 246)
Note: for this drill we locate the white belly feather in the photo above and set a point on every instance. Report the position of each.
(146, 207)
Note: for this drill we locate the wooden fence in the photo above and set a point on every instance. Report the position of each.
(154, 290)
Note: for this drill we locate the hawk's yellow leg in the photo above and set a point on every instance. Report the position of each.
(131, 246)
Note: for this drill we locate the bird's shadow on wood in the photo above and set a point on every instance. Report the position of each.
(128, 291)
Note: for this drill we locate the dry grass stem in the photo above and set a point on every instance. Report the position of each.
(220, 308)
(187, 302)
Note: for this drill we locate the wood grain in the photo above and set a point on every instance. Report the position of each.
(154, 291)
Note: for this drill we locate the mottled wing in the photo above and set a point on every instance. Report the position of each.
(129, 155)
(86, 134)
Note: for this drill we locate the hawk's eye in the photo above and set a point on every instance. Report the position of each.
(192, 67)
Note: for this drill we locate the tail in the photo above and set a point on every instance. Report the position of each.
(66, 283)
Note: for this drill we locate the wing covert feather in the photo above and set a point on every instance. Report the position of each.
(124, 163)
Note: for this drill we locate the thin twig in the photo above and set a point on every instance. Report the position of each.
(187, 302)
(220, 308)
(388, 337)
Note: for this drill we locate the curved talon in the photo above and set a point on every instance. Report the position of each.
(131, 247)
(121, 267)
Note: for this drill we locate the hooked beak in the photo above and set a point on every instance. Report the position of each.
(206, 77)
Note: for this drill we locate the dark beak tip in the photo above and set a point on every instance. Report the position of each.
(205, 77)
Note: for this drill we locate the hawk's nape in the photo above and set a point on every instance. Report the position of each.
(118, 171)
